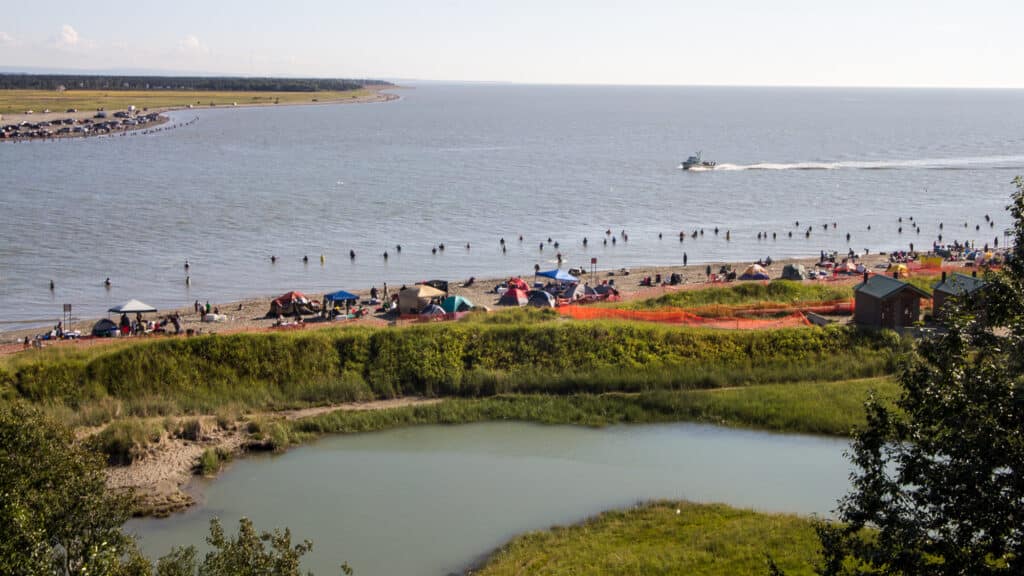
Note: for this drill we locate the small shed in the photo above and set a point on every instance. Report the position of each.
(883, 302)
(958, 286)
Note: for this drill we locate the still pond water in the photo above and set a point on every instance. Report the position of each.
(434, 500)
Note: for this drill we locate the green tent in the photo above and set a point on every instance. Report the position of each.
(453, 304)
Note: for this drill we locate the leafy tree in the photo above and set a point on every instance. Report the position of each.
(243, 555)
(56, 516)
(939, 486)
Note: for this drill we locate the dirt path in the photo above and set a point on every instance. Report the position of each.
(160, 476)
(356, 407)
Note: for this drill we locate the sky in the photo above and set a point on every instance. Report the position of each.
(907, 43)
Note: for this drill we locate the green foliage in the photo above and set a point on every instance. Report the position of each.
(270, 371)
(940, 479)
(179, 562)
(774, 292)
(125, 440)
(817, 408)
(524, 315)
(249, 553)
(56, 516)
(191, 429)
(211, 460)
(663, 538)
(277, 436)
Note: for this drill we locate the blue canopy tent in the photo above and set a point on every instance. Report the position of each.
(347, 298)
(341, 296)
(560, 275)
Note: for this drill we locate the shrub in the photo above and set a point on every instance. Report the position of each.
(125, 440)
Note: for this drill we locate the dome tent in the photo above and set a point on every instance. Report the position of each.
(794, 272)
(755, 272)
(105, 327)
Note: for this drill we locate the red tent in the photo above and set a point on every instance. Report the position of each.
(518, 283)
(286, 303)
(514, 297)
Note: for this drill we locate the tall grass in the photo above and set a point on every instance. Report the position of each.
(769, 293)
(829, 408)
(271, 371)
(126, 440)
(666, 538)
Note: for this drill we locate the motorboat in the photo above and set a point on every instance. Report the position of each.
(696, 163)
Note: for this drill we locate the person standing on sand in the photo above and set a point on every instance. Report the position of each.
(707, 271)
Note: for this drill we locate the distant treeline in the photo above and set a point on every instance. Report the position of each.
(209, 83)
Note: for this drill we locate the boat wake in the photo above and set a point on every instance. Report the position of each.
(966, 163)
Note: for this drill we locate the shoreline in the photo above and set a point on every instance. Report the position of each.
(376, 95)
(248, 313)
(164, 477)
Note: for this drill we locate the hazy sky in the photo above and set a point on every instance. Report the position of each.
(746, 42)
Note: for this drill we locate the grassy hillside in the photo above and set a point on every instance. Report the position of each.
(268, 371)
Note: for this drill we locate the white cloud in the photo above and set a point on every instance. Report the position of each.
(7, 40)
(68, 38)
(192, 45)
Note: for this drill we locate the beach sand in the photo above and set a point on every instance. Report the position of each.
(249, 315)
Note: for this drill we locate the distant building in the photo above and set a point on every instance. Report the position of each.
(883, 302)
(955, 286)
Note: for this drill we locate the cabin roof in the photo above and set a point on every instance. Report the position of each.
(882, 287)
(959, 284)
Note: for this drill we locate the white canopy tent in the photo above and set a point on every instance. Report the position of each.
(132, 307)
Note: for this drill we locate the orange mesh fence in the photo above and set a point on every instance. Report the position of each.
(834, 307)
(680, 316)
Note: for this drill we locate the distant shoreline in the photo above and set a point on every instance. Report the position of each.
(372, 94)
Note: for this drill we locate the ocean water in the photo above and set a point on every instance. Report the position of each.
(476, 163)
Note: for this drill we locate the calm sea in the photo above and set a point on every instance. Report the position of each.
(473, 164)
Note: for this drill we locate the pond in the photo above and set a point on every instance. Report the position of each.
(436, 499)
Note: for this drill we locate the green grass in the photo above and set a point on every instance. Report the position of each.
(776, 293)
(785, 292)
(125, 440)
(211, 460)
(831, 408)
(246, 372)
(18, 101)
(664, 538)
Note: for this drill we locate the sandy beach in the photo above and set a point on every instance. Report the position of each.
(250, 315)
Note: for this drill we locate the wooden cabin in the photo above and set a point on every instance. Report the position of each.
(883, 302)
(957, 285)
